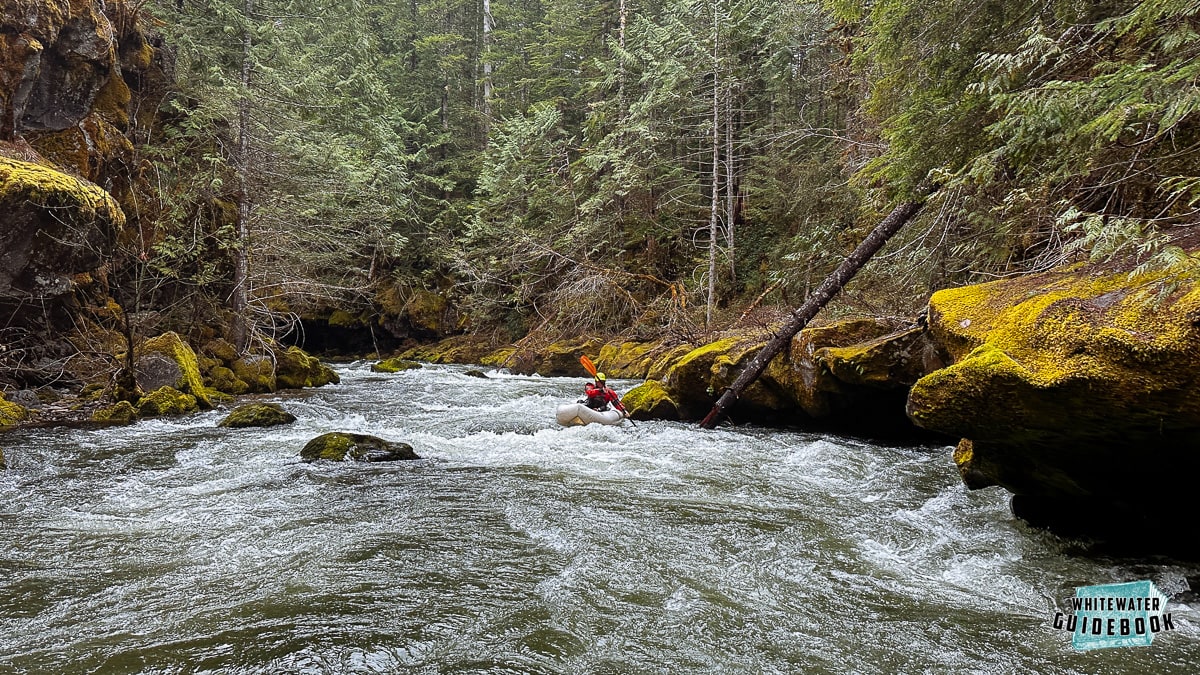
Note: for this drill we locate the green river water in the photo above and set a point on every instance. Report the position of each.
(516, 546)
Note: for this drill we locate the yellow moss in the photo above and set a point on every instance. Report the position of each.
(166, 401)
(394, 365)
(426, 310)
(344, 319)
(11, 413)
(26, 182)
(112, 103)
(964, 453)
(1070, 325)
(173, 347)
(498, 358)
(144, 57)
(121, 413)
(650, 400)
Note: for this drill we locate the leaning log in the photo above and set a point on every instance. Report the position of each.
(800, 317)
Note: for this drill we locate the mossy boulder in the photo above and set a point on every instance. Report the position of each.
(394, 365)
(257, 415)
(696, 380)
(55, 228)
(295, 369)
(121, 413)
(221, 350)
(222, 379)
(650, 400)
(1069, 384)
(463, 349)
(474, 372)
(340, 447)
(499, 358)
(169, 347)
(11, 413)
(637, 360)
(166, 401)
(258, 372)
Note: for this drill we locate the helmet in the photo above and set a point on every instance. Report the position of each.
(600, 377)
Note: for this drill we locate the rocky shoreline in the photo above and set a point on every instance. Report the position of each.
(1072, 389)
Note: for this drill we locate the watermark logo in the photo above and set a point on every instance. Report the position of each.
(1115, 615)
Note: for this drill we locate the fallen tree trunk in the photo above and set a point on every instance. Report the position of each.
(805, 313)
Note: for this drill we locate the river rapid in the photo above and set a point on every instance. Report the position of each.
(174, 546)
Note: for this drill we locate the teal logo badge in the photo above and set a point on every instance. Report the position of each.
(1115, 615)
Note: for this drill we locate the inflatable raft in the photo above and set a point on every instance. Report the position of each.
(578, 414)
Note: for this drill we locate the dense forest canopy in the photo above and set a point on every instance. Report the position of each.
(571, 166)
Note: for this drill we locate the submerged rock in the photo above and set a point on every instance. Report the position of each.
(474, 372)
(257, 415)
(339, 447)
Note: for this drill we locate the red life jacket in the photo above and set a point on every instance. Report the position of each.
(598, 399)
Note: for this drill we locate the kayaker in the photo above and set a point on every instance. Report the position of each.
(599, 395)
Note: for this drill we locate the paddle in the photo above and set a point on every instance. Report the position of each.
(591, 368)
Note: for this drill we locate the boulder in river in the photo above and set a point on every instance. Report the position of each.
(295, 369)
(394, 365)
(155, 358)
(121, 413)
(166, 401)
(257, 415)
(341, 446)
(650, 400)
(1071, 385)
(11, 413)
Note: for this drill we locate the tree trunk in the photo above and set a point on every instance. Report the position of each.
(488, 26)
(716, 178)
(241, 268)
(805, 313)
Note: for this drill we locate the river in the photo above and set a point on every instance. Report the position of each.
(174, 546)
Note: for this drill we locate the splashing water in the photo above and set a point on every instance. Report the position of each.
(174, 546)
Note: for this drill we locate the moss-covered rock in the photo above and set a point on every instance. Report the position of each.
(11, 413)
(257, 415)
(172, 347)
(339, 447)
(650, 400)
(637, 360)
(394, 365)
(222, 379)
(474, 372)
(295, 369)
(166, 401)
(121, 413)
(499, 358)
(1069, 384)
(221, 350)
(563, 358)
(55, 227)
(429, 311)
(258, 372)
(463, 349)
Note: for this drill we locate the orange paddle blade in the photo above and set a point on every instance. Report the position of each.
(588, 365)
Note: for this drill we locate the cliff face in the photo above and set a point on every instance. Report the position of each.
(73, 73)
